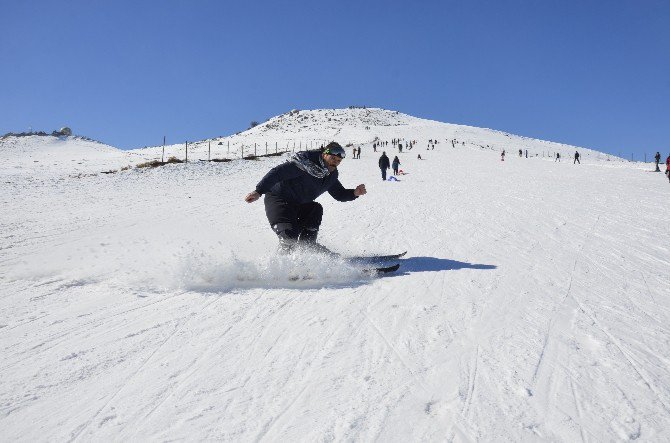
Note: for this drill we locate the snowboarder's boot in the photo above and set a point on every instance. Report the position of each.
(308, 242)
(288, 238)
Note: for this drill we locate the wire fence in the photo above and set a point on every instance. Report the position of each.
(222, 150)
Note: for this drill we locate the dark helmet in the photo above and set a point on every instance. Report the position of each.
(334, 148)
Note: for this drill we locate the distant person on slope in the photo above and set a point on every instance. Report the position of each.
(395, 165)
(290, 190)
(667, 167)
(576, 158)
(657, 157)
(558, 157)
(384, 164)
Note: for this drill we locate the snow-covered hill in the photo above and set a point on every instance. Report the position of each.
(49, 155)
(148, 304)
(294, 131)
(361, 127)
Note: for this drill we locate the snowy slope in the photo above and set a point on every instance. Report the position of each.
(149, 304)
(309, 129)
(48, 155)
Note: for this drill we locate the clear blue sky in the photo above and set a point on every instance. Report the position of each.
(589, 73)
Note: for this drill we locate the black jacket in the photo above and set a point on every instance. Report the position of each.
(297, 186)
(384, 162)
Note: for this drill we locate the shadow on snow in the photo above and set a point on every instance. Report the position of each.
(432, 264)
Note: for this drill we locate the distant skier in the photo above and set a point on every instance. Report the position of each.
(667, 167)
(395, 165)
(576, 158)
(384, 164)
(290, 190)
(502, 156)
(520, 153)
(657, 157)
(558, 157)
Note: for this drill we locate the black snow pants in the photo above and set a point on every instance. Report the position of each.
(292, 222)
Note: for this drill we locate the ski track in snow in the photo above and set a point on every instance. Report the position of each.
(148, 304)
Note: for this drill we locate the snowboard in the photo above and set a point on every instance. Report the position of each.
(378, 272)
(376, 258)
(382, 270)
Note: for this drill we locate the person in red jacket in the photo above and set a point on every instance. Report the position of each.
(667, 167)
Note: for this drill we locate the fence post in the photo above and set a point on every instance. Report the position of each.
(276, 147)
(187, 152)
(228, 146)
(266, 148)
(254, 149)
(209, 152)
(163, 156)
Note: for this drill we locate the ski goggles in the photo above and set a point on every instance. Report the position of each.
(337, 151)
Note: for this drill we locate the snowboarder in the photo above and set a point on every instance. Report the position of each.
(395, 164)
(384, 164)
(657, 157)
(290, 190)
(576, 158)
